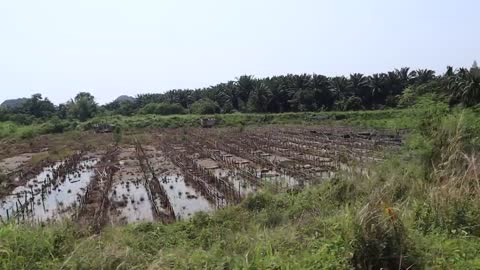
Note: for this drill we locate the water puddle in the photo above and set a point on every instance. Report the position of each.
(130, 203)
(183, 198)
(239, 183)
(45, 198)
(277, 178)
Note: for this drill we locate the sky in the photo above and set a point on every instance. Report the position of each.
(115, 47)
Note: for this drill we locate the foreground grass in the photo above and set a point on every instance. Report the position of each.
(287, 231)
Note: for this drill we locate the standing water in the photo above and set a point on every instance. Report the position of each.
(44, 198)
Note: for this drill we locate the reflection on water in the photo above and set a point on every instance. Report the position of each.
(183, 198)
(44, 198)
(131, 202)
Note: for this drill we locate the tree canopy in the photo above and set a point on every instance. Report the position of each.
(285, 93)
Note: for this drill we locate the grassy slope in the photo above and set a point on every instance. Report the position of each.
(390, 217)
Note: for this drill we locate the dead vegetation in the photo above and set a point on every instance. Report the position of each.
(172, 173)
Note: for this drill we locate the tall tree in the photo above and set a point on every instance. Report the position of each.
(339, 86)
(38, 106)
(83, 106)
(423, 75)
(376, 83)
(259, 98)
(404, 75)
(245, 85)
(465, 86)
(358, 84)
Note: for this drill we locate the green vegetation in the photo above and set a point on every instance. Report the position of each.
(418, 209)
(204, 106)
(279, 94)
(162, 109)
(389, 118)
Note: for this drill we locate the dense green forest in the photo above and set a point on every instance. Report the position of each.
(291, 93)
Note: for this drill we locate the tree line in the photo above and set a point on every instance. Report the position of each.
(277, 94)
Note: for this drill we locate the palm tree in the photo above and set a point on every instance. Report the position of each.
(339, 86)
(282, 92)
(320, 82)
(393, 83)
(324, 96)
(404, 75)
(245, 85)
(465, 87)
(303, 81)
(358, 83)
(449, 72)
(376, 82)
(424, 75)
(259, 98)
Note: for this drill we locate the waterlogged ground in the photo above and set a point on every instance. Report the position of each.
(185, 199)
(45, 198)
(176, 173)
(131, 202)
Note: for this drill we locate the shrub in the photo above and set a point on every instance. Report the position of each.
(453, 215)
(162, 109)
(204, 106)
(257, 202)
(117, 135)
(22, 119)
(55, 125)
(380, 239)
(28, 133)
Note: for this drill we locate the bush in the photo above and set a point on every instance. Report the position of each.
(117, 135)
(204, 106)
(162, 109)
(22, 119)
(380, 239)
(257, 202)
(450, 215)
(55, 125)
(408, 98)
(353, 104)
(26, 247)
(28, 133)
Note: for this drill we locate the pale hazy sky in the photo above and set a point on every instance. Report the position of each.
(114, 47)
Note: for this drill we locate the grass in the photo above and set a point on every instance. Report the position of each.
(418, 209)
(392, 119)
(395, 119)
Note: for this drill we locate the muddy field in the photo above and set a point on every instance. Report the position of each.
(168, 175)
